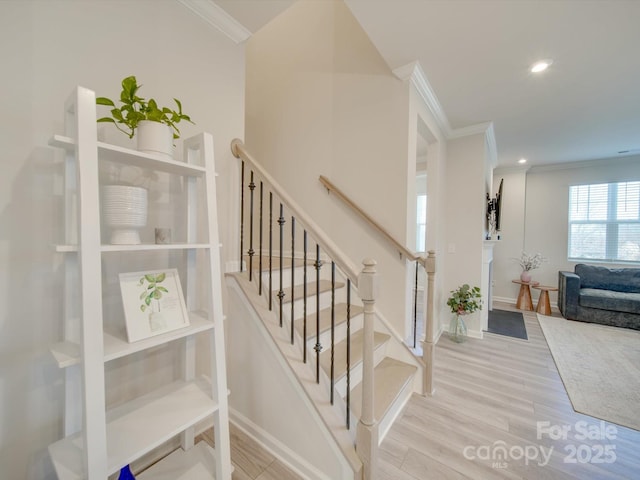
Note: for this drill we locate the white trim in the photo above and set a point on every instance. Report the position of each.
(413, 71)
(278, 449)
(218, 18)
(233, 266)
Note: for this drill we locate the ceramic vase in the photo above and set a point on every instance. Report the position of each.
(125, 212)
(457, 329)
(525, 276)
(155, 138)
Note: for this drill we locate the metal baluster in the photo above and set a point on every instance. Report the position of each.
(252, 187)
(415, 309)
(348, 353)
(333, 325)
(260, 248)
(270, 250)
(281, 291)
(293, 270)
(318, 346)
(241, 215)
(304, 299)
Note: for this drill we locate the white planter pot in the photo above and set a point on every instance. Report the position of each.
(125, 211)
(155, 137)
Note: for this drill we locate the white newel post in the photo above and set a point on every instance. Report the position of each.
(428, 348)
(367, 433)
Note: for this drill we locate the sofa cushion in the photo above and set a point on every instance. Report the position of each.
(618, 279)
(609, 300)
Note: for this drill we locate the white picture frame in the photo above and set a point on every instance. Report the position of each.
(153, 303)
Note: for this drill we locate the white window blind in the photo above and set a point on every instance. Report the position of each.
(604, 222)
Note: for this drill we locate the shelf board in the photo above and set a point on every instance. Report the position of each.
(67, 354)
(137, 248)
(115, 153)
(197, 463)
(137, 427)
(153, 246)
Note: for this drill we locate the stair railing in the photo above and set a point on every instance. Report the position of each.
(428, 263)
(365, 282)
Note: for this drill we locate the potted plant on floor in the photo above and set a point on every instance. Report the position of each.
(155, 127)
(463, 301)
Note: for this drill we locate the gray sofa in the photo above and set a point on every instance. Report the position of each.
(610, 296)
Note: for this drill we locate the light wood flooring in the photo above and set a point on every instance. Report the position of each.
(492, 393)
(250, 460)
(489, 393)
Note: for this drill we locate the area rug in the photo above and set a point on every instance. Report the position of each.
(599, 366)
(507, 323)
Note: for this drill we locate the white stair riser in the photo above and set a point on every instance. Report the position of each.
(286, 276)
(298, 304)
(340, 332)
(356, 371)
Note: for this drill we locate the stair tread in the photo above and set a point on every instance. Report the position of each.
(325, 319)
(390, 377)
(340, 354)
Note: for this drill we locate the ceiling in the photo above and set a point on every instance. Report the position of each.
(476, 56)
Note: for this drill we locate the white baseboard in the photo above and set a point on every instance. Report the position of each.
(291, 459)
(510, 301)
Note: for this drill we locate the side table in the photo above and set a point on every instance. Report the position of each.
(544, 306)
(524, 296)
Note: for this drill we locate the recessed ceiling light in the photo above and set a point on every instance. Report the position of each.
(522, 160)
(541, 66)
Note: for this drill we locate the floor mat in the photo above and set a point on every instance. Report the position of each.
(507, 323)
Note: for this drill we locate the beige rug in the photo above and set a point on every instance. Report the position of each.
(599, 366)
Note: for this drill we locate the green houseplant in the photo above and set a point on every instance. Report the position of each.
(463, 300)
(135, 109)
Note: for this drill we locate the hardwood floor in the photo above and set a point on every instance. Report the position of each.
(490, 393)
(250, 460)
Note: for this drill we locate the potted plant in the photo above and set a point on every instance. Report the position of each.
(527, 263)
(137, 114)
(463, 300)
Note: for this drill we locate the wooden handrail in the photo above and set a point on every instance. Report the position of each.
(344, 263)
(426, 262)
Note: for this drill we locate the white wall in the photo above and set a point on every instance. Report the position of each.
(465, 219)
(511, 242)
(536, 216)
(47, 48)
(266, 396)
(321, 101)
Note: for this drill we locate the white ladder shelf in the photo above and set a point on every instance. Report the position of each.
(98, 439)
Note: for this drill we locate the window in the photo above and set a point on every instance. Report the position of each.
(421, 230)
(604, 222)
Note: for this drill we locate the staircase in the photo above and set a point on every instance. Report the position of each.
(394, 380)
(318, 311)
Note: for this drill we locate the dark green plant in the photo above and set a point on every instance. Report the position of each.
(153, 291)
(465, 300)
(135, 108)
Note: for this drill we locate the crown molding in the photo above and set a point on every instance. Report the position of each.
(415, 74)
(218, 18)
(597, 162)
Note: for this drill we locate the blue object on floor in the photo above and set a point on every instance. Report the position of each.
(125, 474)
